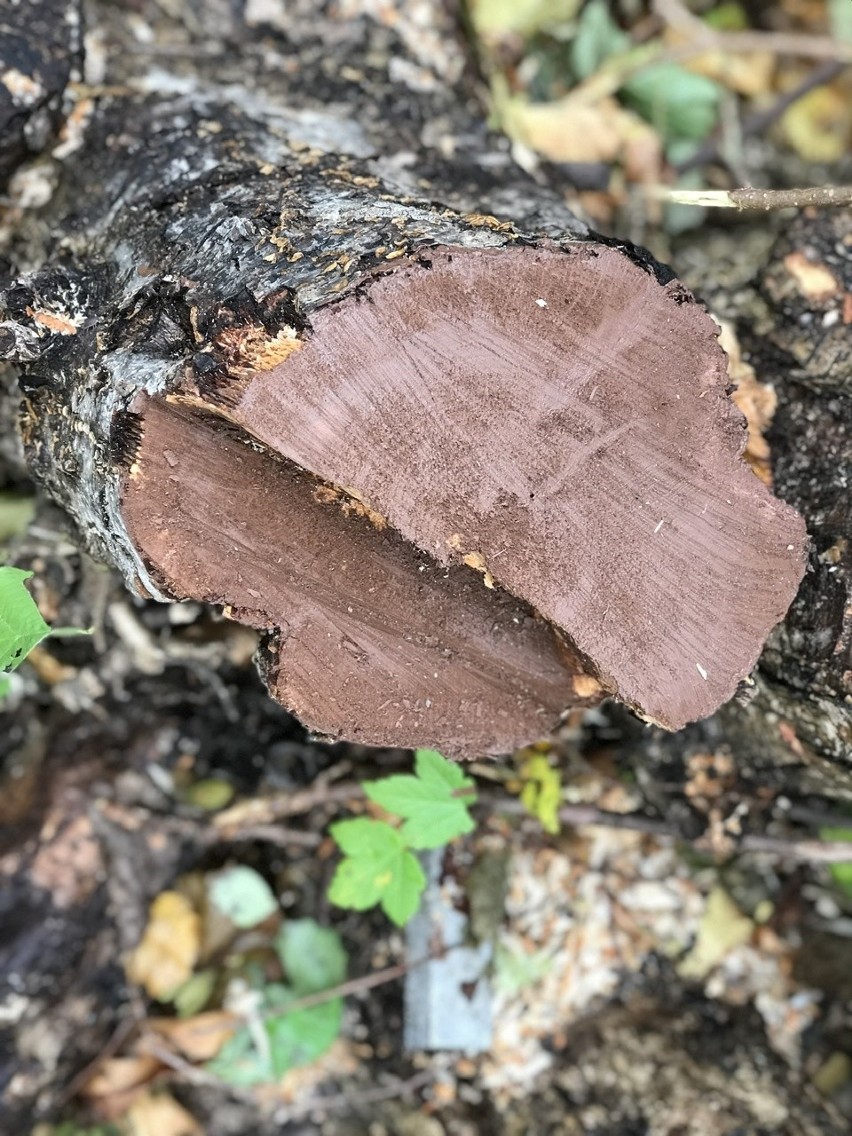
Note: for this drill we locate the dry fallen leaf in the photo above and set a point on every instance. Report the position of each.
(722, 928)
(819, 125)
(568, 130)
(160, 1115)
(199, 1038)
(120, 1075)
(169, 948)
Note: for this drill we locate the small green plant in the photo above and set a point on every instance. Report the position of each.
(379, 865)
(281, 1032)
(21, 624)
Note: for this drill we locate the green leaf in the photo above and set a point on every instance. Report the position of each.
(313, 957)
(21, 624)
(192, 996)
(16, 512)
(433, 814)
(278, 1042)
(841, 873)
(303, 1036)
(678, 103)
(243, 895)
(729, 16)
(840, 19)
(401, 897)
(378, 868)
(598, 37)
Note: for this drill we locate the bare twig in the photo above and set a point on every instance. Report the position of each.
(758, 122)
(268, 833)
(351, 1100)
(266, 810)
(750, 198)
(357, 985)
(805, 851)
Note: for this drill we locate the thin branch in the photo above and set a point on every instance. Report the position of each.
(760, 121)
(357, 985)
(805, 851)
(351, 1100)
(750, 198)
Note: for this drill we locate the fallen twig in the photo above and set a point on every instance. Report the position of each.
(751, 198)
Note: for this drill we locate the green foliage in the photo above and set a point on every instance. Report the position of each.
(16, 512)
(379, 866)
(841, 873)
(21, 624)
(840, 19)
(377, 869)
(192, 996)
(542, 791)
(277, 1039)
(312, 956)
(243, 895)
(677, 102)
(598, 37)
(433, 802)
(521, 17)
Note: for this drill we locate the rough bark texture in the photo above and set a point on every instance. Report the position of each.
(509, 395)
(40, 51)
(409, 98)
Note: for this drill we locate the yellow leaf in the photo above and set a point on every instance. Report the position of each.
(521, 17)
(169, 948)
(819, 126)
(542, 791)
(722, 928)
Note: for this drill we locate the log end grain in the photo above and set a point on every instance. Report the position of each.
(485, 484)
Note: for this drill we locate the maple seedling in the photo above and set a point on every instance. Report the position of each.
(379, 865)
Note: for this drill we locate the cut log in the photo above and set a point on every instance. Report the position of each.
(463, 472)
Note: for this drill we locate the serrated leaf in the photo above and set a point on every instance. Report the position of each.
(242, 895)
(426, 801)
(401, 897)
(21, 624)
(678, 103)
(313, 957)
(378, 868)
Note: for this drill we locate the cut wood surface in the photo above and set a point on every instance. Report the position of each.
(530, 422)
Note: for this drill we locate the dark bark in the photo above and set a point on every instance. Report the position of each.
(199, 210)
(40, 52)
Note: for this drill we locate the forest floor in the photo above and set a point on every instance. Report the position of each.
(643, 946)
